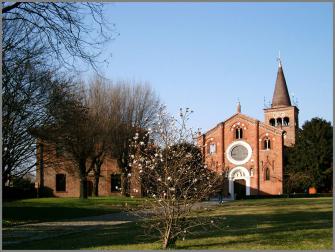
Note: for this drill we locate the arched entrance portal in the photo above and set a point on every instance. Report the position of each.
(239, 182)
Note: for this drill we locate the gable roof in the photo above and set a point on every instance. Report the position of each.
(243, 116)
(250, 119)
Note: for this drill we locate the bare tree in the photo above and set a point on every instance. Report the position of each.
(172, 174)
(65, 32)
(121, 108)
(97, 122)
(101, 112)
(24, 97)
(136, 106)
(72, 128)
(39, 39)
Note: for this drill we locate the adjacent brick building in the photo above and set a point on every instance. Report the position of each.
(57, 174)
(248, 152)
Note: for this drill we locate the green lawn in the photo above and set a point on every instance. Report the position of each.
(52, 209)
(246, 224)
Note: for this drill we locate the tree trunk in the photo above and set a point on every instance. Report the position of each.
(83, 188)
(124, 184)
(97, 170)
(168, 242)
(96, 186)
(124, 178)
(4, 179)
(83, 179)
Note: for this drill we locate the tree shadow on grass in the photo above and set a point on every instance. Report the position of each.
(88, 236)
(271, 227)
(29, 214)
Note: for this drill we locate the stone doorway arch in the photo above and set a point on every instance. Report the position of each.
(239, 173)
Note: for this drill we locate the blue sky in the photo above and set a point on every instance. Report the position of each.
(207, 55)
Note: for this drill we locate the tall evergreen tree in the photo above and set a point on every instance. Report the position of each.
(310, 161)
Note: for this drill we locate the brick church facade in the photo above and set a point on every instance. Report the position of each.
(248, 152)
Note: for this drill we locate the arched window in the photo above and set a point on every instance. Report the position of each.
(267, 144)
(286, 121)
(279, 121)
(211, 148)
(267, 174)
(272, 122)
(238, 133)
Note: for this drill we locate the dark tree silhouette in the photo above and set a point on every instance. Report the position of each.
(310, 161)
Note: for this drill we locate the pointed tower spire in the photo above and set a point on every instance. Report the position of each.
(281, 97)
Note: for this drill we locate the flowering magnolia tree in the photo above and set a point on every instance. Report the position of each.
(172, 174)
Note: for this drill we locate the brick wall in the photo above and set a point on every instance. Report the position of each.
(253, 133)
(61, 164)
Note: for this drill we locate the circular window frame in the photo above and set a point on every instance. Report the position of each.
(234, 144)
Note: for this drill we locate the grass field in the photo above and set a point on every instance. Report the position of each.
(247, 224)
(52, 209)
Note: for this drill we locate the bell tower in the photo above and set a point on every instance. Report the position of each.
(282, 114)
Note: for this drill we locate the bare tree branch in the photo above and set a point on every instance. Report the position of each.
(8, 8)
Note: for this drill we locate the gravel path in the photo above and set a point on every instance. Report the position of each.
(43, 230)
